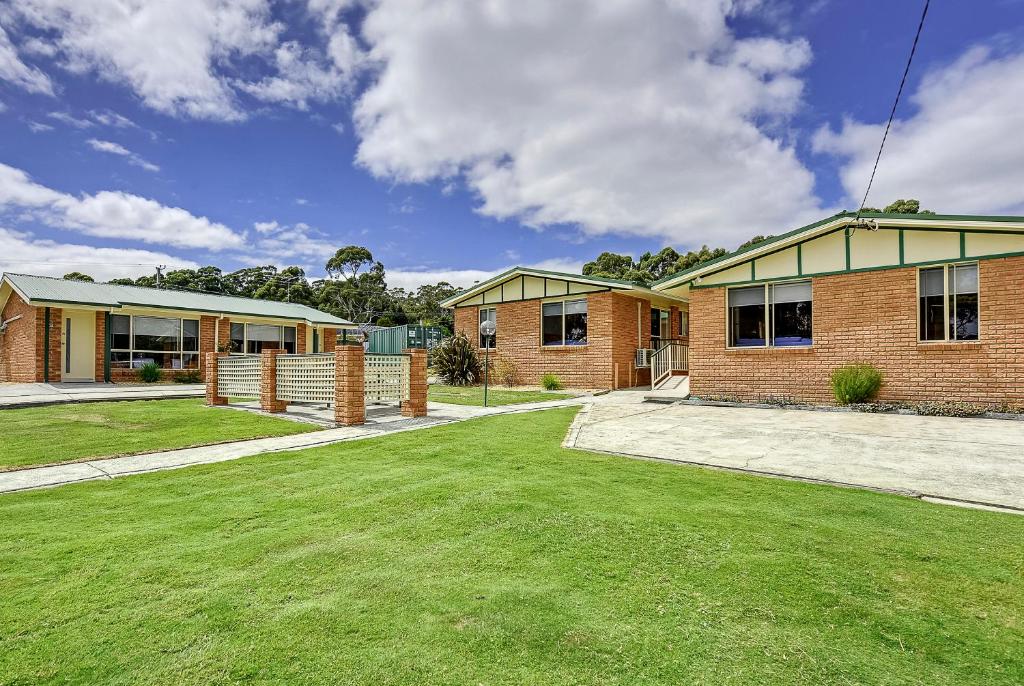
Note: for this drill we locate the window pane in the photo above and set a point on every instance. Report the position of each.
(655, 323)
(157, 334)
(289, 339)
(162, 360)
(120, 359)
(488, 313)
(746, 317)
(120, 332)
(190, 361)
(262, 337)
(790, 313)
(684, 323)
(963, 302)
(237, 338)
(190, 329)
(932, 307)
(552, 324)
(576, 322)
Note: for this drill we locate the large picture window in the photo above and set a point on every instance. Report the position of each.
(168, 343)
(771, 315)
(253, 339)
(948, 303)
(564, 322)
(488, 314)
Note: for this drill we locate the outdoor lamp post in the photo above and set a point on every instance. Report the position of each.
(487, 330)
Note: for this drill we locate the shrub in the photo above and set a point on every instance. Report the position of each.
(551, 382)
(506, 371)
(456, 361)
(855, 383)
(188, 376)
(149, 372)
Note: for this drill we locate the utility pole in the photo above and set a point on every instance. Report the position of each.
(160, 274)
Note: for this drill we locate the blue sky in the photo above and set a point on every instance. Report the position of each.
(455, 139)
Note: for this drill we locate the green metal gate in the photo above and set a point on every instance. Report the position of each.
(395, 339)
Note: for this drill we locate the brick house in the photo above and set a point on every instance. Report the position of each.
(936, 302)
(55, 330)
(590, 332)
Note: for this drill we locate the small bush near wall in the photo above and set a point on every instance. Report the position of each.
(506, 371)
(551, 382)
(149, 372)
(856, 383)
(456, 361)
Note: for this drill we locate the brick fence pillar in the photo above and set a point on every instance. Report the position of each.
(213, 396)
(349, 379)
(416, 405)
(268, 381)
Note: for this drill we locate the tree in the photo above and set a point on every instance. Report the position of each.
(754, 241)
(356, 290)
(78, 276)
(288, 285)
(245, 282)
(909, 206)
(658, 265)
(609, 265)
(424, 306)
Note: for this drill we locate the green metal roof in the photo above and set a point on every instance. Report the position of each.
(910, 218)
(46, 289)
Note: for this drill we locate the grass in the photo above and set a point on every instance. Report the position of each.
(65, 433)
(496, 395)
(483, 552)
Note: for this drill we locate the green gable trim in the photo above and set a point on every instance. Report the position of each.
(846, 234)
(963, 244)
(799, 259)
(903, 250)
(911, 219)
(860, 270)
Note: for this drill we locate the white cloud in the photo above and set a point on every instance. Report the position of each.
(39, 127)
(412, 278)
(562, 115)
(22, 252)
(283, 242)
(339, 127)
(121, 151)
(112, 214)
(191, 58)
(960, 149)
(167, 52)
(70, 120)
(266, 227)
(111, 118)
(15, 71)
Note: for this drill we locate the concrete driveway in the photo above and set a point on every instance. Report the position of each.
(972, 461)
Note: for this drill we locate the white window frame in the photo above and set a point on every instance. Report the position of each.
(769, 318)
(245, 335)
(945, 302)
(566, 300)
(684, 323)
(661, 330)
(180, 352)
(494, 338)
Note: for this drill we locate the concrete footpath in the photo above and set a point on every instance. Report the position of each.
(380, 421)
(14, 395)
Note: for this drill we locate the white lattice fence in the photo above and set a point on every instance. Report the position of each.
(238, 375)
(386, 378)
(305, 378)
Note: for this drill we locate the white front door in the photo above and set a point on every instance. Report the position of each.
(78, 346)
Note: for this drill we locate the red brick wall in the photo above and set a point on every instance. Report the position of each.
(56, 320)
(611, 335)
(101, 342)
(871, 317)
(18, 344)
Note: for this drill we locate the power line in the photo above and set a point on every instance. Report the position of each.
(892, 114)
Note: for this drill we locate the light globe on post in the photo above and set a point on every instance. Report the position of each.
(487, 329)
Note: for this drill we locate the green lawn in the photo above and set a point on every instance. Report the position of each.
(64, 433)
(496, 395)
(483, 553)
